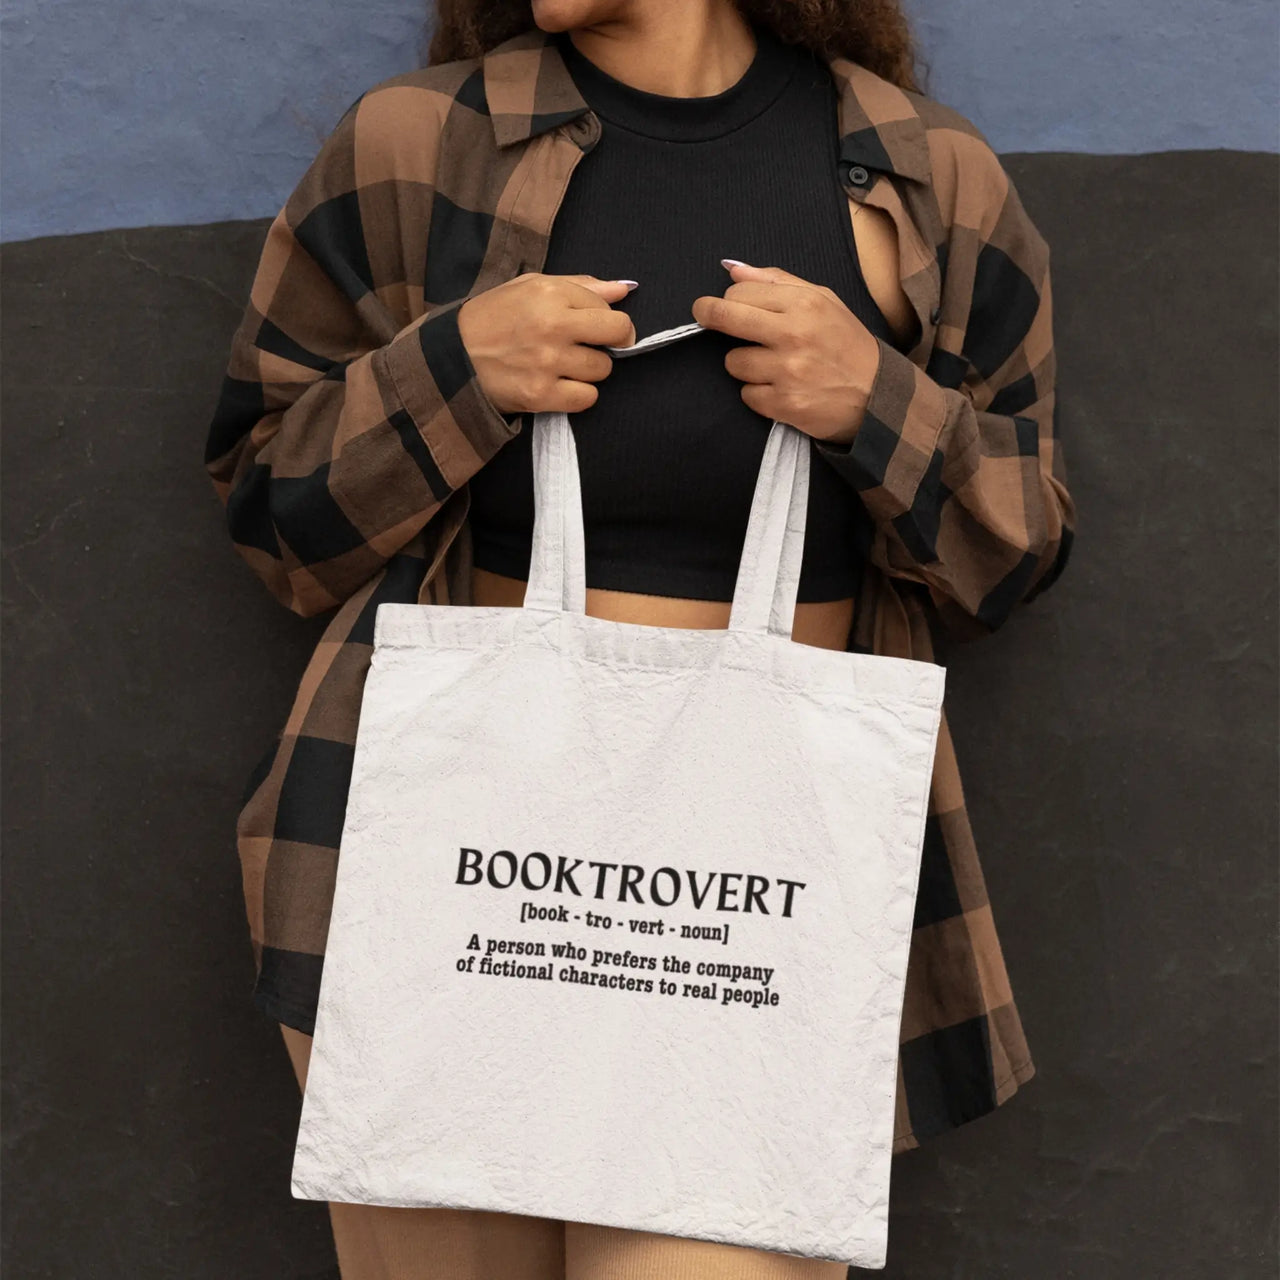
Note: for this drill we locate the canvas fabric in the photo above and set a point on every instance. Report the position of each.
(612, 939)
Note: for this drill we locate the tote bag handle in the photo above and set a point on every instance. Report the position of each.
(768, 579)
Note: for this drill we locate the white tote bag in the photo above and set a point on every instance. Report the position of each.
(622, 912)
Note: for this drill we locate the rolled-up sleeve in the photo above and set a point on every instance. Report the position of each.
(961, 465)
(338, 431)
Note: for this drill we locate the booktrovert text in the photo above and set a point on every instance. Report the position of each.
(628, 882)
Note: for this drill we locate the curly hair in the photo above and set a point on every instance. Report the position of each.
(873, 33)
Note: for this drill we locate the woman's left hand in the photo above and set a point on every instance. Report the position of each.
(814, 362)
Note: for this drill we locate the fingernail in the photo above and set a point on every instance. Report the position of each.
(732, 262)
(631, 284)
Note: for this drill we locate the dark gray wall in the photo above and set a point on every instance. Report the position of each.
(1117, 740)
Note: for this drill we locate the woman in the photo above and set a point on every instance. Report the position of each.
(573, 176)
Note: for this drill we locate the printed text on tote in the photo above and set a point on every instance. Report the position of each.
(626, 883)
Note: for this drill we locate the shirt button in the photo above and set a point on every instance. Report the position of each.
(858, 175)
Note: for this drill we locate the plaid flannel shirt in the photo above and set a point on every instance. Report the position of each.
(350, 420)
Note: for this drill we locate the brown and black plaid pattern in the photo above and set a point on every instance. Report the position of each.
(350, 420)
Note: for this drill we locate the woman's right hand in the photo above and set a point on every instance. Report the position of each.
(533, 340)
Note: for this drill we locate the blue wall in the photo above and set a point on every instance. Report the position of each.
(187, 112)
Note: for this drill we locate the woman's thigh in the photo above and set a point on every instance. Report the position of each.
(609, 1253)
(381, 1242)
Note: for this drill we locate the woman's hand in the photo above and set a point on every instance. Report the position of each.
(814, 362)
(531, 340)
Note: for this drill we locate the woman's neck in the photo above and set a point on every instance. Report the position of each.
(685, 119)
(678, 48)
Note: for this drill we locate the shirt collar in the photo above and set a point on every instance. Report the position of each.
(529, 91)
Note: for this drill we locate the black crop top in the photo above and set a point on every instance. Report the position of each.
(669, 453)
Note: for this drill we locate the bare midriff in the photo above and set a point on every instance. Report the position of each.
(823, 623)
